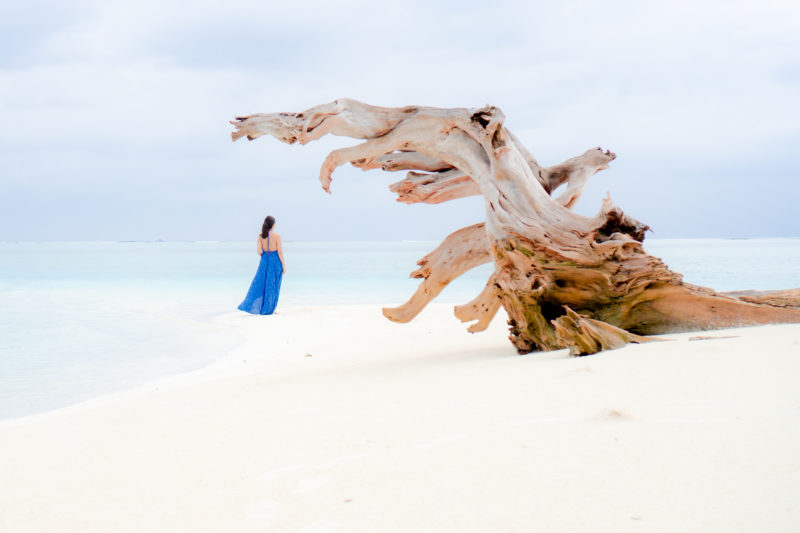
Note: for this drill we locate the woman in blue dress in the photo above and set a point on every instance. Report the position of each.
(262, 297)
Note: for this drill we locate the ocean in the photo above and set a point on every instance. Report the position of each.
(83, 319)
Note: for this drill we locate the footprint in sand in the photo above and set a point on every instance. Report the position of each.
(310, 484)
(438, 442)
(278, 473)
(540, 420)
(580, 371)
(340, 460)
(322, 526)
(612, 414)
(262, 511)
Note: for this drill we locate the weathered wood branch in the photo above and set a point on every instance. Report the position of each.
(434, 188)
(404, 161)
(344, 117)
(576, 173)
(547, 258)
(785, 298)
(585, 336)
(442, 182)
(482, 308)
(461, 251)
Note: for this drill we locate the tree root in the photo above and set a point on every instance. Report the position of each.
(585, 336)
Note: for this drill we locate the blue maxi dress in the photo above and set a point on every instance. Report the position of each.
(262, 297)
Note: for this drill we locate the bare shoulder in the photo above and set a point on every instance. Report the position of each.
(277, 235)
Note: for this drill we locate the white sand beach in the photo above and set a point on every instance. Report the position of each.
(333, 419)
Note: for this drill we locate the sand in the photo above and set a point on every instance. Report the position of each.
(333, 419)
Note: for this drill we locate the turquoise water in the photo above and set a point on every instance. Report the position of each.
(82, 319)
(732, 264)
(318, 273)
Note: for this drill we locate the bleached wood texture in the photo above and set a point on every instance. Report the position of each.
(558, 274)
(584, 336)
(461, 251)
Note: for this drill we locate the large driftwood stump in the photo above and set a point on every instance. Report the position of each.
(565, 280)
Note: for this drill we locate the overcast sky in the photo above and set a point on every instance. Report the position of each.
(114, 115)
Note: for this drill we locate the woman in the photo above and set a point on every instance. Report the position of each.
(262, 297)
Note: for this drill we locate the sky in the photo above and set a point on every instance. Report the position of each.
(114, 115)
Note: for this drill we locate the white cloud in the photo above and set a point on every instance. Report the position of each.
(128, 95)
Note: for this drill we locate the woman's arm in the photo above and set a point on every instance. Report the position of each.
(258, 245)
(280, 253)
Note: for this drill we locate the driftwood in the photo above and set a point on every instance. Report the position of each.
(565, 280)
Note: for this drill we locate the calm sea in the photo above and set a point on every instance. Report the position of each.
(82, 319)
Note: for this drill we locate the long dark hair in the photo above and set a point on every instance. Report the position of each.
(268, 223)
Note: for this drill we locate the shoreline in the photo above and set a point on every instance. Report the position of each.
(228, 365)
(220, 365)
(225, 365)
